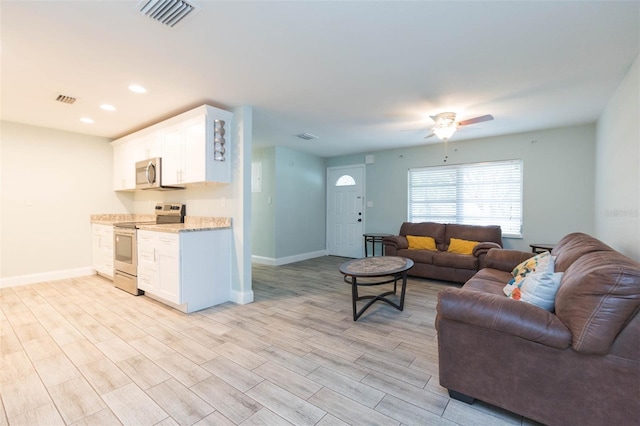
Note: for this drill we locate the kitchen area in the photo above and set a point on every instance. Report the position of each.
(179, 260)
(73, 178)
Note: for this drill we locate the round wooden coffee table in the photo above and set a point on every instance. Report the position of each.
(376, 267)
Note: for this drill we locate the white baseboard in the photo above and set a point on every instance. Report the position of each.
(241, 297)
(289, 259)
(45, 276)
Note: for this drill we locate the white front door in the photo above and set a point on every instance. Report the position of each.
(345, 210)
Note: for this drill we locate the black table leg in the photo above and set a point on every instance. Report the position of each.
(354, 297)
(382, 297)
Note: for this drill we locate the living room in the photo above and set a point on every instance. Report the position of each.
(579, 175)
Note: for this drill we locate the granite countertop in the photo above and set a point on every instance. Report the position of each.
(191, 223)
(111, 219)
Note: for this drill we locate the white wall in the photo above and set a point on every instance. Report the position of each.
(263, 205)
(617, 191)
(558, 179)
(289, 214)
(301, 200)
(51, 182)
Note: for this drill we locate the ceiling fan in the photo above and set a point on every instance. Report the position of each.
(446, 124)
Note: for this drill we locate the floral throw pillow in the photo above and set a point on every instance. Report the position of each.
(538, 288)
(542, 262)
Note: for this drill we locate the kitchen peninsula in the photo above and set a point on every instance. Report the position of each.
(184, 265)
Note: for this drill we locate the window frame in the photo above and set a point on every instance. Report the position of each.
(459, 200)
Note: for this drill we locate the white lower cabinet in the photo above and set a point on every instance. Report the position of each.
(103, 249)
(189, 270)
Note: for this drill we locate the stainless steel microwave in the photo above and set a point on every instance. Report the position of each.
(149, 175)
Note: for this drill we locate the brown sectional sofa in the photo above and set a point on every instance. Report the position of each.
(442, 265)
(579, 365)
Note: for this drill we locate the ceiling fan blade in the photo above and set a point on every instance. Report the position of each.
(475, 120)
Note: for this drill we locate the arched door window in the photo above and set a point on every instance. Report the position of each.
(345, 180)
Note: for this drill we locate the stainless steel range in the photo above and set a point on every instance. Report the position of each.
(125, 247)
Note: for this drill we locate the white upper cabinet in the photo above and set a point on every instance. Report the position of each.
(194, 147)
(173, 142)
(124, 172)
(148, 146)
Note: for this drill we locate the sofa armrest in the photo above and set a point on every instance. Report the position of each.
(483, 248)
(503, 315)
(394, 243)
(505, 260)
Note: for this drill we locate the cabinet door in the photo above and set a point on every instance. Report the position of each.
(106, 245)
(172, 155)
(149, 146)
(148, 279)
(169, 267)
(97, 252)
(195, 155)
(103, 249)
(124, 173)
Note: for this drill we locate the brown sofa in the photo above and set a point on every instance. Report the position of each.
(442, 265)
(579, 365)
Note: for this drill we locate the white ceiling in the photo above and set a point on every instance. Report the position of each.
(360, 75)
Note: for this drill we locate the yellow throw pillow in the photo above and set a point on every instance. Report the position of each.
(421, 243)
(461, 246)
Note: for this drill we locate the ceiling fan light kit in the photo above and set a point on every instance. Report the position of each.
(446, 124)
(445, 132)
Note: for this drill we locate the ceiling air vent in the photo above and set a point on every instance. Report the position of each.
(307, 136)
(167, 12)
(66, 99)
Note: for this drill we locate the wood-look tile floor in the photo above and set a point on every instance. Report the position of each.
(79, 351)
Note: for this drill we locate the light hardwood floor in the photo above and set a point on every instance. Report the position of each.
(79, 351)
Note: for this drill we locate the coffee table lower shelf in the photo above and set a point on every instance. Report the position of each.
(388, 266)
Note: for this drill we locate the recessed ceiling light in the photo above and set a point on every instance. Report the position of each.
(87, 120)
(137, 88)
(108, 107)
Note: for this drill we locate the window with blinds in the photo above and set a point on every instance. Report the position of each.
(472, 194)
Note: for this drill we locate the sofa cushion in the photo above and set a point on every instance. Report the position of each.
(573, 246)
(488, 280)
(418, 256)
(454, 260)
(461, 246)
(491, 233)
(427, 229)
(421, 243)
(599, 294)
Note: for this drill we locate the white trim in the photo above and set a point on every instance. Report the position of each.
(289, 259)
(261, 260)
(241, 297)
(46, 276)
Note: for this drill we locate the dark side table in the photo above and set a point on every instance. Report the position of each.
(394, 267)
(541, 247)
(374, 238)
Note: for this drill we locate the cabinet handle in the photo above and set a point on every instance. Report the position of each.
(154, 255)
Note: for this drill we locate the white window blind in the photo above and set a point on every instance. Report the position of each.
(472, 194)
